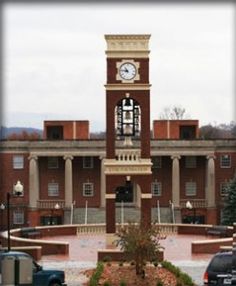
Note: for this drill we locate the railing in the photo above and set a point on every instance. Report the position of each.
(131, 155)
(165, 229)
(196, 203)
(91, 229)
(50, 204)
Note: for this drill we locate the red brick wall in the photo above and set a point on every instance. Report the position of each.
(80, 176)
(197, 175)
(160, 128)
(163, 175)
(81, 129)
(223, 174)
(51, 176)
(10, 176)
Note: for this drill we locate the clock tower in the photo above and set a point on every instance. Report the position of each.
(127, 161)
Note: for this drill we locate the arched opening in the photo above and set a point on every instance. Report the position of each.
(125, 193)
(127, 118)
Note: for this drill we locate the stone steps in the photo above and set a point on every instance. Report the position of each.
(97, 215)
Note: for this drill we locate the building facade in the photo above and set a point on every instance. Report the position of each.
(133, 167)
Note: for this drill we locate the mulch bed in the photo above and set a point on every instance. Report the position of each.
(114, 274)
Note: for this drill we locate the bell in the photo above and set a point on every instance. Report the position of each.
(128, 130)
(128, 115)
(127, 102)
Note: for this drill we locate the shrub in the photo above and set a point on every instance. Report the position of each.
(183, 278)
(122, 283)
(96, 275)
(159, 283)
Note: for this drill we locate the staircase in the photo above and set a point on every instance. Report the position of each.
(97, 215)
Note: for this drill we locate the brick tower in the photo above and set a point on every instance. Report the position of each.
(127, 159)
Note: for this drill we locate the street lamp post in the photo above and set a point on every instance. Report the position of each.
(18, 190)
(56, 207)
(190, 207)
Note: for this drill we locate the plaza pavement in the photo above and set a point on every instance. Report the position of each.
(83, 255)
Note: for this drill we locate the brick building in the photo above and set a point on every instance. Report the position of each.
(134, 167)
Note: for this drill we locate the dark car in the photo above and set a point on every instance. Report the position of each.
(219, 270)
(30, 270)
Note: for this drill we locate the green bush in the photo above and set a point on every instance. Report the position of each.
(96, 275)
(183, 278)
(159, 283)
(107, 283)
(122, 283)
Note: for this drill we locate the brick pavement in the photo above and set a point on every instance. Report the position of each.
(83, 255)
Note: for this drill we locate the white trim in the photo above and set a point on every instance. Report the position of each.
(110, 196)
(146, 196)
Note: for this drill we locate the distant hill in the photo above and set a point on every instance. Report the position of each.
(9, 131)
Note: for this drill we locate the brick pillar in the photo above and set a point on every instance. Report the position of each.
(110, 219)
(68, 181)
(146, 209)
(175, 181)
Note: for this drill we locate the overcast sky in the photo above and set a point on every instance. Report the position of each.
(54, 63)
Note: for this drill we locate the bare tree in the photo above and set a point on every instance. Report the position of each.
(174, 112)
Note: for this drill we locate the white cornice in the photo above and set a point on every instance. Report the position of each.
(128, 86)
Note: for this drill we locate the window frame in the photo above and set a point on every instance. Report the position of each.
(20, 164)
(187, 193)
(222, 165)
(190, 162)
(53, 164)
(18, 217)
(157, 162)
(222, 186)
(50, 194)
(91, 190)
(91, 162)
(159, 188)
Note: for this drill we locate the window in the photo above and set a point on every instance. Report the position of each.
(190, 188)
(190, 162)
(156, 161)
(18, 162)
(87, 162)
(53, 189)
(55, 132)
(53, 163)
(88, 190)
(223, 189)
(225, 161)
(156, 188)
(18, 217)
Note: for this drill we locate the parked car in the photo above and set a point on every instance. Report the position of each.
(19, 268)
(219, 270)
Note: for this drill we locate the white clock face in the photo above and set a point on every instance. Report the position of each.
(127, 71)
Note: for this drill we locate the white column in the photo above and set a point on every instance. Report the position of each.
(68, 181)
(175, 181)
(102, 185)
(210, 181)
(33, 181)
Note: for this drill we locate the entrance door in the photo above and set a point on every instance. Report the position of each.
(125, 193)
